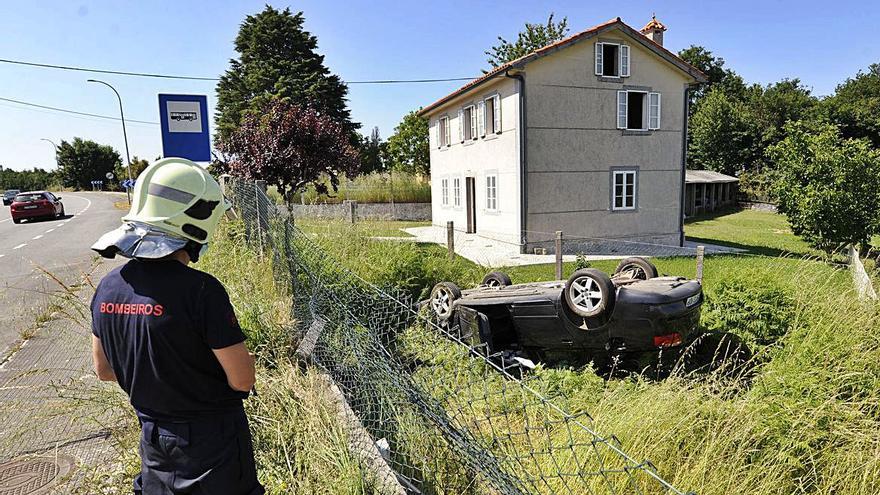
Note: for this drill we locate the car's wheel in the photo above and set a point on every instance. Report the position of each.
(442, 297)
(636, 268)
(589, 292)
(496, 279)
(16, 220)
(62, 212)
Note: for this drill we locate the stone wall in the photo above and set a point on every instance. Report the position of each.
(420, 212)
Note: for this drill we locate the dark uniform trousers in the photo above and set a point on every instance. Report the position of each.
(209, 456)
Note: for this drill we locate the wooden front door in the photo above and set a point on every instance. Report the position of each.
(470, 187)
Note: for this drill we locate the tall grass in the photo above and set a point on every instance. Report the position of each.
(806, 421)
(399, 187)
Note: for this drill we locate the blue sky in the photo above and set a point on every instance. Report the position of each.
(822, 43)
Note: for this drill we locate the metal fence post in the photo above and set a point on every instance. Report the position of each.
(700, 251)
(259, 185)
(450, 239)
(558, 255)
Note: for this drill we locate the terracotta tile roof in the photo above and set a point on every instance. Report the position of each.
(653, 24)
(501, 69)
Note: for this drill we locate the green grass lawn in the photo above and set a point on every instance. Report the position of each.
(759, 232)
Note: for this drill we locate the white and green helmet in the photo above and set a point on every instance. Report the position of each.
(175, 203)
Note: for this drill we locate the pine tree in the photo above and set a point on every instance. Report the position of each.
(277, 60)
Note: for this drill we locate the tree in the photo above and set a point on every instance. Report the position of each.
(828, 186)
(723, 135)
(407, 149)
(372, 151)
(534, 36)
(277, 60)
(82, 161)
(137, 166)
(27, 180)
(773, 106)
(855, 106)
(719, 77)
(290, 146)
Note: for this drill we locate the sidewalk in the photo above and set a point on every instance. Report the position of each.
(496, 253)
(54, 414)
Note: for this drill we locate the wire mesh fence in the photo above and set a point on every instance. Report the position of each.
(441, 412)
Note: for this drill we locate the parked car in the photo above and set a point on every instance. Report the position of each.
(8, 195)
(36, 204)
(590, 317)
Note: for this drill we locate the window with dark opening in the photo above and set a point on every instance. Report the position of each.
(609, 60)
(635, 110)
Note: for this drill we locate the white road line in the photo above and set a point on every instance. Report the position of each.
(8, 219)
(2, 255)
(50, 230)
(37, 237)
(20, 246)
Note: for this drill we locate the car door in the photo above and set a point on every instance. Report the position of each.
(52, 199)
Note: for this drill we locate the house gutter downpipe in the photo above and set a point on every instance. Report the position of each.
(522, 158)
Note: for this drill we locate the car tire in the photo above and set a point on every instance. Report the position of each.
(640, 268)
(589, 292)
(16, 220)
(61, 215)
(442, 297)
(496, 279)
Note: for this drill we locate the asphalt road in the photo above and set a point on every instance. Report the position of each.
(59, 246)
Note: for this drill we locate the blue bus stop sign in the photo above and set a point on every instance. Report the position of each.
(184, 120)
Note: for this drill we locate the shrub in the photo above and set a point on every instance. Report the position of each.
(758, 312)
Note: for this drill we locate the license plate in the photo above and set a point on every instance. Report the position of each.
(31, 207)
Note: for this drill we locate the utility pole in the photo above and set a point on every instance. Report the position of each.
(124, 134)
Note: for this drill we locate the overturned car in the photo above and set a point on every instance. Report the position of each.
(629, 316)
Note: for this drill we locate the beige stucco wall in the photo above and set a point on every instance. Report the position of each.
(494, 154)
(573, 143)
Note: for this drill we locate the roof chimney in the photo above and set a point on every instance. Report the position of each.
(654, 30)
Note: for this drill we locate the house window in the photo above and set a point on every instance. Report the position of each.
(493, 114)
(638, 110)
(492, 192)
(456, 192)
(612, 60)
(443, 132)
(468, 123)
(444, 192)
(624, 187)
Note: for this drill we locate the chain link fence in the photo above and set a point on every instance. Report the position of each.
(440, 411)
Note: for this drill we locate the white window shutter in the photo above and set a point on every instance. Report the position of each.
(447, 130)
(496, 112)
(621, 109)
(437, 132)
(653, 110)
(624, 60)
(481, 118)
(599, 59)
(461, 125)
(474, 123)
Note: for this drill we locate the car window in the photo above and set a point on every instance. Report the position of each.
(23, 198)
(50, 196)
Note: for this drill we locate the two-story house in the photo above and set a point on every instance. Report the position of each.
(586, 135)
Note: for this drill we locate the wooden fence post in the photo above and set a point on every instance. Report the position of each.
(700, 251)
(351, 211)
(558, 255)
(450, 239)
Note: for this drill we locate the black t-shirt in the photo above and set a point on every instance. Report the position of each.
(158, 321)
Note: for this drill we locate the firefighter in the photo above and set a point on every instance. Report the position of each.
(168, 335)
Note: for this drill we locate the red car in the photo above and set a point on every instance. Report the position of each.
(36, 204)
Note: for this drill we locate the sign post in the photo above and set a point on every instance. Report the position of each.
(185, 133)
